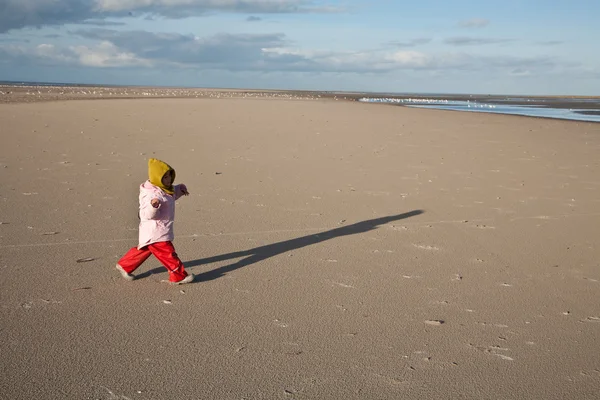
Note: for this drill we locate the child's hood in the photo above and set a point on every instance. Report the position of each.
(156, 170)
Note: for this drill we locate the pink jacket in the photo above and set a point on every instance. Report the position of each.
(156, 224)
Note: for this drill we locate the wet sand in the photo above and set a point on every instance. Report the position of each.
(342, 250)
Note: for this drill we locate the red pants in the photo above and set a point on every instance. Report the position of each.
(164, 251)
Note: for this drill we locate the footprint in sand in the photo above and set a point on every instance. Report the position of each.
(107, 394)
(484, 227)
(342, 285)
(494, 351)
(280, 324)
(494, 325)
(29, 304)
(392, 381)
(426, 247)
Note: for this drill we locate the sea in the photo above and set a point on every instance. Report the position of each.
(568, 108)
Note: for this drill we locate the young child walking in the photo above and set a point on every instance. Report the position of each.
(157, 213)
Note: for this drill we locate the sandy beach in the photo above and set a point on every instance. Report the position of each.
(342, 250)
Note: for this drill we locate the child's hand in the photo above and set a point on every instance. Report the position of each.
(155, 203)
(184, 190)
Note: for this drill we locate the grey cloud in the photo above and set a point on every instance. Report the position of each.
(223, 50)
(253, 18)
(16, 14)
(232, 52)
(549, 43)
(13, 40)
(100, 22)
(102, 55)
(474, 41)
(410, 43)
(520, 72)
(185, 8)
(470, 62)
(256, 52)
(474, 23)
(236, 52)
(44, 55)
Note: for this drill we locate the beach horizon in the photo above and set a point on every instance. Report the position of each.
(577, 108)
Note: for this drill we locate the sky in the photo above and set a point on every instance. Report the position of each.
(527, 47)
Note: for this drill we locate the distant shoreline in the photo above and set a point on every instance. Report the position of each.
(31, 92)
(324, 93)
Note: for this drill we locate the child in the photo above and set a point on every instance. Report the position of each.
(157, 212)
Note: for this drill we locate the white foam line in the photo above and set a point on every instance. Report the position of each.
(456, 221)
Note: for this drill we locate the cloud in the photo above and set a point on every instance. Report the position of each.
(549, 43)
(410, 43)
(104, 55)
(474, 41)
(253, 18)
(260, 53)
(411, 59)
(100, 22)
(8, 39)
(229, 51)
(43, 54)
(107, 54)
(520, 72)
(474, 23)
(177, 7)
(250, 52)
(16, 14)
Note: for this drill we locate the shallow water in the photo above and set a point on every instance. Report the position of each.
(503, 106)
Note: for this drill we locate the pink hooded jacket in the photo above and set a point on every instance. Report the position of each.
(156, 224)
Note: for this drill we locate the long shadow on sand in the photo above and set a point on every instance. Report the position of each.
(263, 252)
